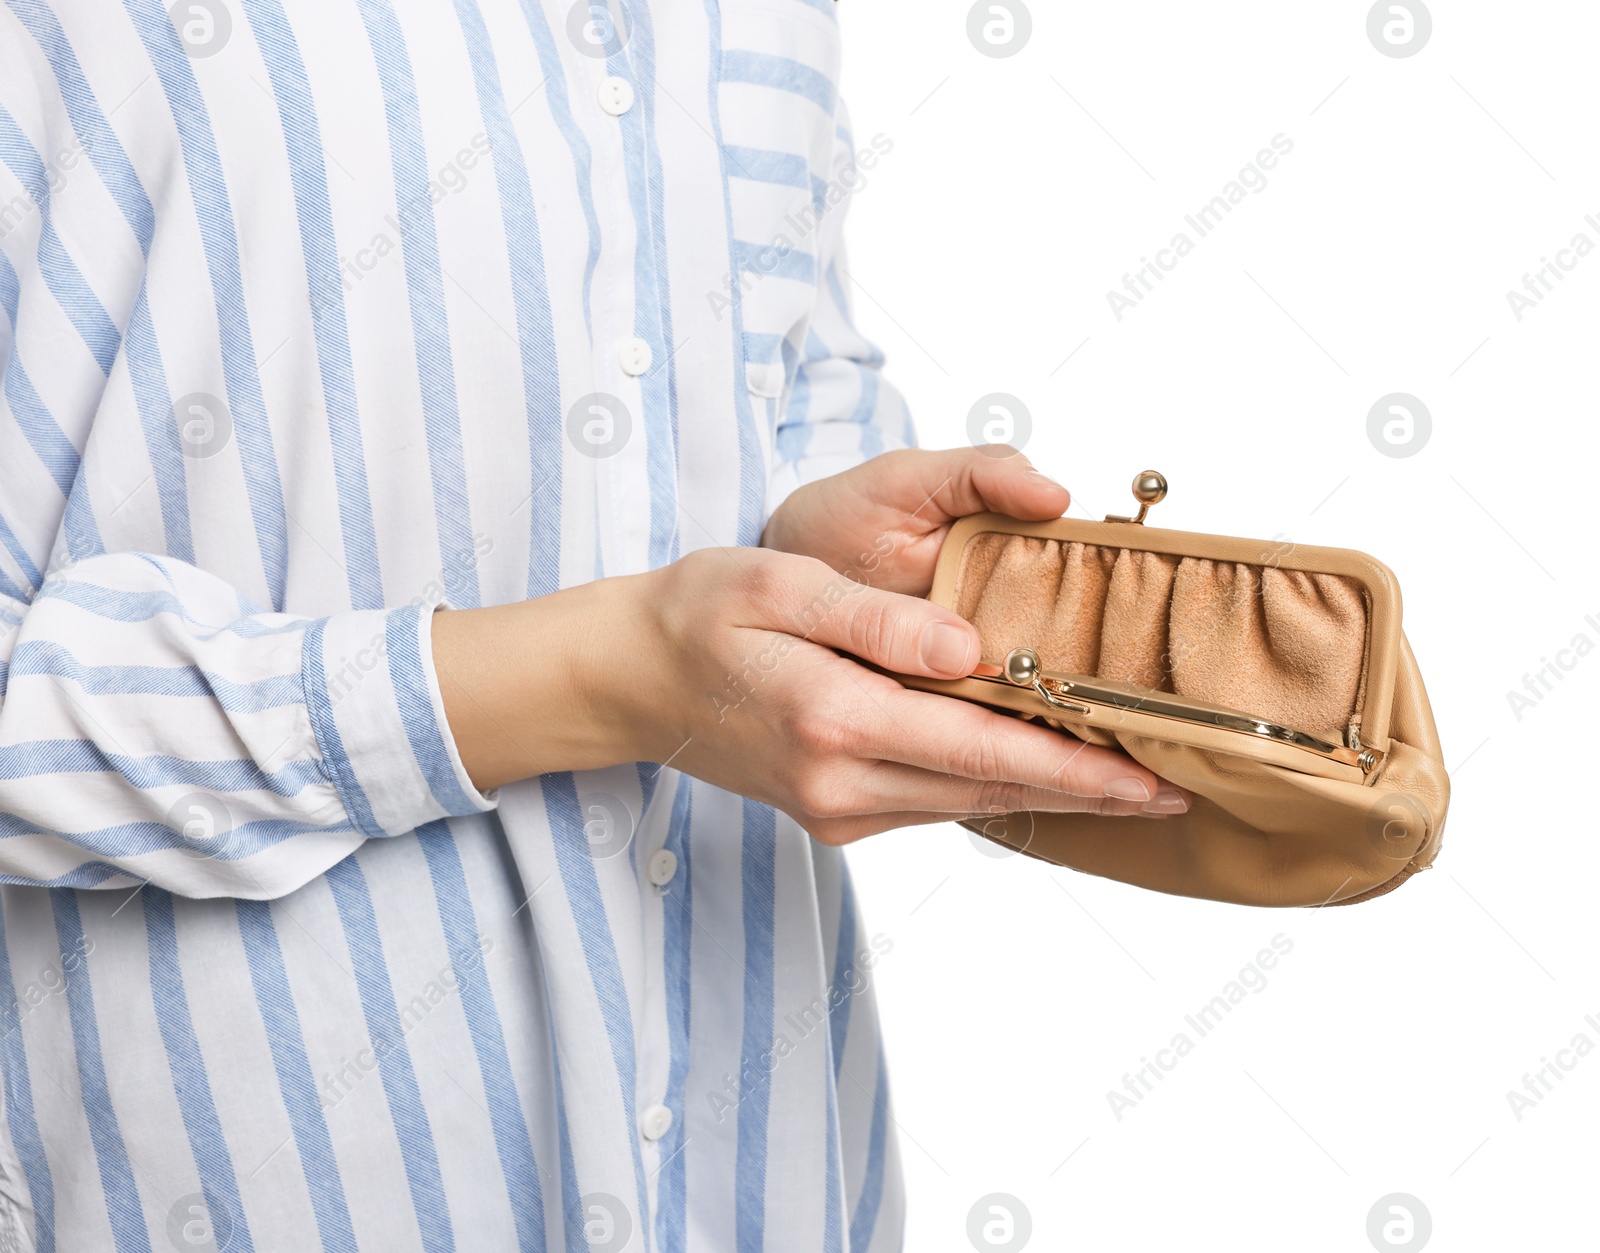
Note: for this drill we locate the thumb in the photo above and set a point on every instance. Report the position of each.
(1010, 485)
(960, 481)
(899, 633)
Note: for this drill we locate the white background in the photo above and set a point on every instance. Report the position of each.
(1377, 260)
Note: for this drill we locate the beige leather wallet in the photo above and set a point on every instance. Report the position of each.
(1271, 679)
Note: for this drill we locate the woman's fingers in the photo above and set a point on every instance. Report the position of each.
(901, 633)
(959, 481)
(966, 740)
(894, 787)
(849, 751)
(859, 826)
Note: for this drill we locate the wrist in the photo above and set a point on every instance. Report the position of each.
(621, 667)
(546, 685)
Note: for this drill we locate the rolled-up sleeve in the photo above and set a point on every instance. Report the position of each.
(155, 728)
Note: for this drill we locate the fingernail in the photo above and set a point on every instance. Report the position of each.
(945, 648)
(1168, 801)
(1127, 789)
(1040, 477)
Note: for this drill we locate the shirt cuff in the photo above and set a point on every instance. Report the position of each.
(379, 719)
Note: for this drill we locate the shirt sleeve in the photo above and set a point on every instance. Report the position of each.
(841, 411)
(155, 728)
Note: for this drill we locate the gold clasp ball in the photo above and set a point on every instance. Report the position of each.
(1022, 667)
(1150, 487)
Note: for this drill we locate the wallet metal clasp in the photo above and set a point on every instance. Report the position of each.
(1149, 488)
(1085, 696)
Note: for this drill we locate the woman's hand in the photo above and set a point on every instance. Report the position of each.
(723, 665)
(882, 522)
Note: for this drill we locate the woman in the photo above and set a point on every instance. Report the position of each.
(335, 921)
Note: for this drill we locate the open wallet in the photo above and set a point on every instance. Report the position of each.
(1270, 679)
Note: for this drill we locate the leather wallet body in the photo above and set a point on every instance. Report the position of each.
(1271, 679)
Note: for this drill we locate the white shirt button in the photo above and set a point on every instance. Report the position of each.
(655, 1121)
(635, 356)
(616, 95)
(663, 865)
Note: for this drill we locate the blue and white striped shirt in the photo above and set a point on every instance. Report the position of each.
(318, 314)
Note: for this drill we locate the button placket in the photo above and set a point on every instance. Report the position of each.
(613, 318)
